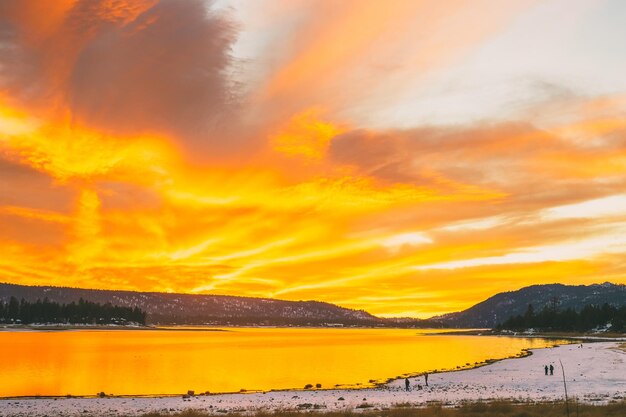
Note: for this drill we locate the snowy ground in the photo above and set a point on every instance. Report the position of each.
(595, 373)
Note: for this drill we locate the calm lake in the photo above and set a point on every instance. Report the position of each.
(120, 362)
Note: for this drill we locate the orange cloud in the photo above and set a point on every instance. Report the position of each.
(305, 135)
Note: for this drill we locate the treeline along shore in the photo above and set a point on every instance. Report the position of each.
(550, 318)
(83, 312)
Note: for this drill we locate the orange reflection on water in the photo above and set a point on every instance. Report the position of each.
(138, 362)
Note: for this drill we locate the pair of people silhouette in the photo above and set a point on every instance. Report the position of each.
(407, 383)
(550, 368)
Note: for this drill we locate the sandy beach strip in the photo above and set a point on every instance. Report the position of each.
(595, 373)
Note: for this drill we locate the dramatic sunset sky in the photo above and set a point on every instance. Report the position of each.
(409, 158)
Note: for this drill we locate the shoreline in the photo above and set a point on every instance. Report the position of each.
(372, 384)
(608, 337)
(225, 328)
(594, 373)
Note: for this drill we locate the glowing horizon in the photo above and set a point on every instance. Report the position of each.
(407, 158)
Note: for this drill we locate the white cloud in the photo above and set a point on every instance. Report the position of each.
(396, 242)
(482, 224)
(611, 206)
(612, 242)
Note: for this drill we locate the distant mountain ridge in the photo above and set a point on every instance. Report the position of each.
(167, 308)
(172, 309)
(498, 308)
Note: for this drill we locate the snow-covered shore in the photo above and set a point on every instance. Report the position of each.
(595, 373)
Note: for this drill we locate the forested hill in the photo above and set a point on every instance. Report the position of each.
(502, 306)
(83, 312)
(166, 308)
(589, 318)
